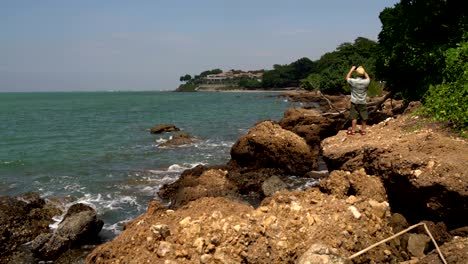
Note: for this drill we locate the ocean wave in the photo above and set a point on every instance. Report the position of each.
(210, 144)
(12, 162)
(180, 168)
(114, 228)
(102, 203)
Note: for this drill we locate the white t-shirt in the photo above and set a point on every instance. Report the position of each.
(358, 90)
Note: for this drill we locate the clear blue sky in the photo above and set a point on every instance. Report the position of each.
(84, 45)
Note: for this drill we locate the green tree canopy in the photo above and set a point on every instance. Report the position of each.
(206, 73)
(330, 70)
(449, 101)
(185, 78)
(414, 36)
(287, 75)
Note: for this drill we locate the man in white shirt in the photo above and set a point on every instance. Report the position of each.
(359, 87)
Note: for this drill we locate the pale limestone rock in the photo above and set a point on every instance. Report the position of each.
(417, 243)
(160, 231)
(321, 254)
(355, 212)
(164, 248)
(198, 244)
(186, 221)
(351, 199)
(379, 209)
(205, 258)
(295, 206)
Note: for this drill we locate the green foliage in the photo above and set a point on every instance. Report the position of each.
(206, 73)
(375, 88)
(449, 101)
(326, 74)
(185, 78)
(250, 84)
(312, 82)
(188, 87)
(330, 70)
(412, 42)
(287, 75)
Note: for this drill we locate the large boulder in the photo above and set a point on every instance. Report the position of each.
(163, 128)
(267, 145)
(310, 123)
(197, 183)
(79, 226)
(22, 218)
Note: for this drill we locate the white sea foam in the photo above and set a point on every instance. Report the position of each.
(181, 168)
(117, 203)
(210, 144)
(57, 219)
(8, 162)
(308, 184)
(117, 227)
(101, 204)
(161, 140)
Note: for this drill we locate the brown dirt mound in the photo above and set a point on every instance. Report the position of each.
(218, 230)
(411, 158)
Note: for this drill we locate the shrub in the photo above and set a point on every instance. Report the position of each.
(375, 88)
(449, 101)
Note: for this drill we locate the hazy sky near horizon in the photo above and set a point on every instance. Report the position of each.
(88, 45)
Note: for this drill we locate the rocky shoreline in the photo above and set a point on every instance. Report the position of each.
(403, 172)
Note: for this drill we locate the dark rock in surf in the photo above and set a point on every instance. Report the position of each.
(79, 226)
(22, 218)
(163, 128)
(179, 140)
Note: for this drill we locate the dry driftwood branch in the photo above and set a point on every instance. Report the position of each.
(328, 101)
(399, 234)
(378, 104)
(339, 111)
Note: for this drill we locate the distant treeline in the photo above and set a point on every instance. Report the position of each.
(421, 54)
(326, 74)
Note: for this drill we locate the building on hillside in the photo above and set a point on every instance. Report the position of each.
(220, 77)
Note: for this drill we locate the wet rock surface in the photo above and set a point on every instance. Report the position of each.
(79, 226)
(163, 128)
(22, 218)
(179, 140)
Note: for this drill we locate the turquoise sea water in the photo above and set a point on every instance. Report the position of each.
(96, 147)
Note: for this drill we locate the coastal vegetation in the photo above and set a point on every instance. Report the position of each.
(423, 56)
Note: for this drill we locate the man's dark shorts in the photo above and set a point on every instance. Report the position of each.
(358, 110)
